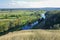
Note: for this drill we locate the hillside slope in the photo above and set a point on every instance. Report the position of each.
(52, 20)
(32, 35)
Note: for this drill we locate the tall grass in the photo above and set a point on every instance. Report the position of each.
(32, 35)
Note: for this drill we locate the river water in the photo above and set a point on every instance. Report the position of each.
(26, 27)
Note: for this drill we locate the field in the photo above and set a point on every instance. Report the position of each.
(12, 20)
(36, 34)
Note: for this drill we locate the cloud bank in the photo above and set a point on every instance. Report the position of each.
(33, 4)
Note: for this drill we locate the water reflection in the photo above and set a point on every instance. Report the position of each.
(43, 16)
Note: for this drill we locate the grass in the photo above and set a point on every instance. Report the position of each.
(37, 34)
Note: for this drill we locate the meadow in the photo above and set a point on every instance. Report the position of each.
(37, 34)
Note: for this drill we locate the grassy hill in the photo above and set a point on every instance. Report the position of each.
(32, 35)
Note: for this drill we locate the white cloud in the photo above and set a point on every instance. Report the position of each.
(35, 4)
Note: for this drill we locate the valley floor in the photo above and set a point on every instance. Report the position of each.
(36, 34)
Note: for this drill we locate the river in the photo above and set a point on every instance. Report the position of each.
(26, 27)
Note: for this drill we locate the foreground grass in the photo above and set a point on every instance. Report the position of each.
(32, 35)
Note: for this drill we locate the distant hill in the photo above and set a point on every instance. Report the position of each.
(46, 9)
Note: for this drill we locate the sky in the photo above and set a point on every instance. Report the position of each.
(29, 3)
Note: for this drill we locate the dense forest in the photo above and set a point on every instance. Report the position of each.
(52, 20)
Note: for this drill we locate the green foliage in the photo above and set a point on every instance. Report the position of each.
(53, 19)
(16, 19)
(4, 26)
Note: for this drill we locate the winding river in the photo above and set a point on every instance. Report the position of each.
(26, 27)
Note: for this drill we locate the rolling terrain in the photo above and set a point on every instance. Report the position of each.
(36, 34)
(14, 22)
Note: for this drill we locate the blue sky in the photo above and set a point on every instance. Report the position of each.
(29, 3)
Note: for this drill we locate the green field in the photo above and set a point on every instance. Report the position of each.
(16, 19)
